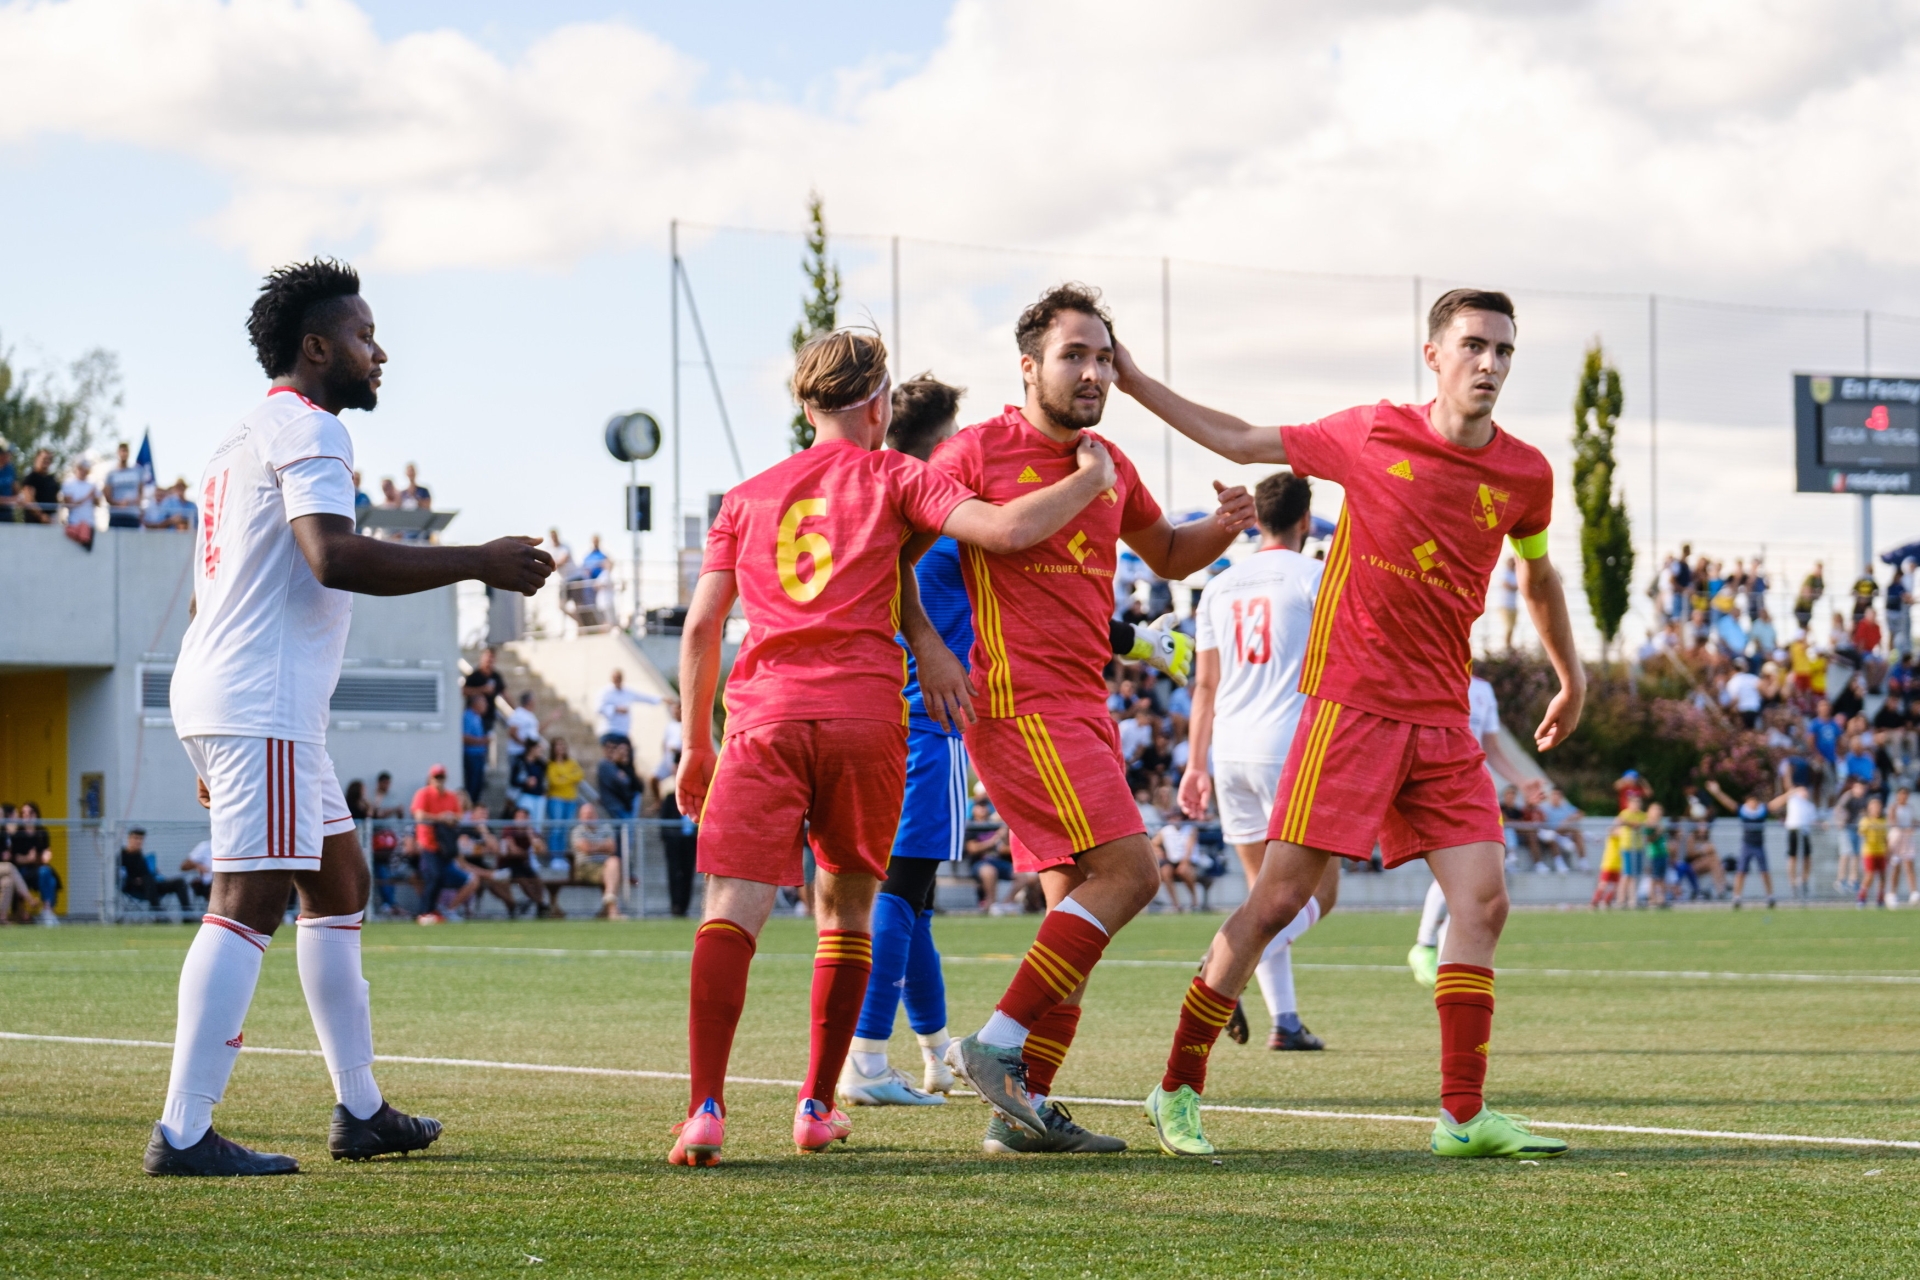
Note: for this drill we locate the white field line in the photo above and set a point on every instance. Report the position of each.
(603, 953)
(1290, 1112)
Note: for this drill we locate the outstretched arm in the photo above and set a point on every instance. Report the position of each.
(1178, 551)
(700, 639)
(1547, 606)
(346, 561)
(1034, 517)
(1234, 439)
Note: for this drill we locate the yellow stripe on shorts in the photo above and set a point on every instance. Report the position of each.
(1307, 780)
(1053, 775)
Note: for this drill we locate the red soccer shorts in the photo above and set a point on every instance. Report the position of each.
(1873, 863)
(1058, 782)
(839, 781)
(1353, 778)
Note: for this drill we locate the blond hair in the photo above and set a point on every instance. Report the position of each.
(839, 369)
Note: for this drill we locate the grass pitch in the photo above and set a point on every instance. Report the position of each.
(566, 1174)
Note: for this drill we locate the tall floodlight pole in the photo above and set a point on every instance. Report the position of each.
(1866, 499)
(1653, 424)
(673, 248)
(633, 483)
(1166, 376)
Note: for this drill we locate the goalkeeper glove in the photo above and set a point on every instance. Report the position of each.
(1163, 648)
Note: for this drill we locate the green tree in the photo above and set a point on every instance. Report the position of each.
(41, 412)
(1606, 539)
(821, 308)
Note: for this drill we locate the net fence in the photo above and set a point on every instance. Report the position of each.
(1705, 444)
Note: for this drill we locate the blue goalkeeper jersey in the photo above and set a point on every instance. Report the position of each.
(943, 594)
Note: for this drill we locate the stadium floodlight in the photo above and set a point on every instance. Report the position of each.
(633, 437)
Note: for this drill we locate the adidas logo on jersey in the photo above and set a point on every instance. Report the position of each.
(1402, 468)
(1029, 476)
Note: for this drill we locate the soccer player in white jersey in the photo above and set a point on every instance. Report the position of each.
(274, 565)
(1251, 635)
(1483, 722)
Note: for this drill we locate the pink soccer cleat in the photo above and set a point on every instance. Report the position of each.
(817, 1126)
(699, 1137)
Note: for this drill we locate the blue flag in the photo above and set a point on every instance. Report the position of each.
(145, 460)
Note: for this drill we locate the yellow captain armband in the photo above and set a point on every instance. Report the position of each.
(1531, 547)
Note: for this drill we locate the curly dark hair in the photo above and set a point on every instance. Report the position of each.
(922, 406)
(1030, 331)
(295, 301)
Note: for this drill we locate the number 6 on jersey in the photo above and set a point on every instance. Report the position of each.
(793, 544)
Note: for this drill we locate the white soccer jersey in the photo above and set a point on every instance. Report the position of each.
(1257, 615)
(1483, 709)
(262, 653)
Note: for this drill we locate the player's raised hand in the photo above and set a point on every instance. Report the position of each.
(1090, 453)
(946, 688)
(1126, 374)
(1235, 512)
(1563, 716)
(515, 564)
(1196, 787)
(695, 776)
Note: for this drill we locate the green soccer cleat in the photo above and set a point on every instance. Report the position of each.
(1176, 1121)
(1063, 1136)
(1491, 1135)
(1425, 963)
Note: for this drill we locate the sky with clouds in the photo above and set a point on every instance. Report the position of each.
(505, 184)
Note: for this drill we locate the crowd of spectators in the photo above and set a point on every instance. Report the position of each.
(29, 884)
(125, 493)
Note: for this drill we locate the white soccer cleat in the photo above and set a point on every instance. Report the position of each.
(888, 1089)
(937, 1076)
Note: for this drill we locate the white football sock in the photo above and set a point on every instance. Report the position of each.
(216, 987)
(869, 1057)
(1431, 915)
(933, 1045)
(1003, 1032)
(328, 951)
(1275, 970)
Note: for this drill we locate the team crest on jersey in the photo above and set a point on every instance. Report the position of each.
(1111, 496)
(1402, 468)
(1029, 476)
(1490, 507)
(1425, 557)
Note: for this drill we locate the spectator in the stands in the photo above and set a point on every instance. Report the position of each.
(1865, 591)
(473, 747)
(523, 728)
(1742, 693)
(436, 813)
(486, 679)
(520, 849)
(383, 803)
(678, 837)
(197, 866)
(39, 490)
(596, 859)
(31, 851)
(9, 480)
(616, 783)
(416, 496)
(985, 850)
(529, 780)
(173, 510)
(80, 495)
(1631, 791)
(615, 708)
(124, 487)
(564, 776)
(1563, 820)
(672, 742)
(137, 878)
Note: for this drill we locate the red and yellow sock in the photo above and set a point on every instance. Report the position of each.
(1061, 957)
(1047, 1045)
(1463, 995)
(722, 954)
(1202, 1016)
(841, 964)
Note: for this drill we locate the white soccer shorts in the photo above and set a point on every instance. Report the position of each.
(1244, 791)
(273, 801)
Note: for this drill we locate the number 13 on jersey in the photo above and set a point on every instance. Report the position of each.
(793, 544)
(1253, 630)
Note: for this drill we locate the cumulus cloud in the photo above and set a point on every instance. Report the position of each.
(1569, 140)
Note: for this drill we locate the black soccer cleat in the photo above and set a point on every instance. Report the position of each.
(211, 1157)
(1301, 1039)
(386, 1132)
(1237, 1025)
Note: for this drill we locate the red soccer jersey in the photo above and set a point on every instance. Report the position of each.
(814, 543)
(1040, 615)
(1416, 546)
